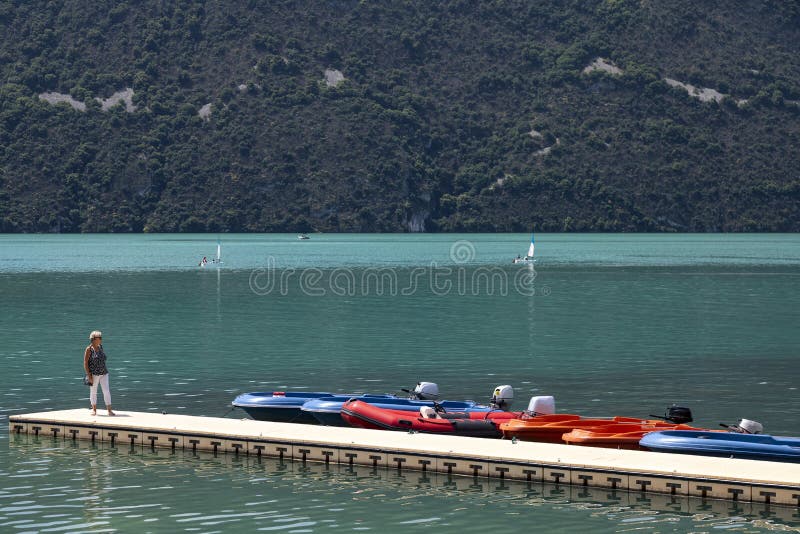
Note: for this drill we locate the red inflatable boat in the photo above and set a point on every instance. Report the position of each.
(476, 424)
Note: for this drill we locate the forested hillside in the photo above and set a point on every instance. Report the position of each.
(290, 115)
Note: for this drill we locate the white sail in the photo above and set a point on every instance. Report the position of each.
(219, 251)
(528, 257)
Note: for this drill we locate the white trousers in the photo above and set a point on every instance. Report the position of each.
(103, 381)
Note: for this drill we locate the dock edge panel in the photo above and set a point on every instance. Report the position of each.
(349, 453)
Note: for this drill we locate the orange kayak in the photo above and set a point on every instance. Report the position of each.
(619, 435)
(540, 428)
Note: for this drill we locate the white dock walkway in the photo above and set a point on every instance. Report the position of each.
(721, 478)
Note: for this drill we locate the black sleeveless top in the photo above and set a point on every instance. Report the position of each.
(97, 361)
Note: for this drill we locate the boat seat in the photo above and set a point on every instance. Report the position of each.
(426, 412)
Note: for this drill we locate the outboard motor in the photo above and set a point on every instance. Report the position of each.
(543, 405)
(745, 426)
(679, 415)
(425, 391)
(503, 397)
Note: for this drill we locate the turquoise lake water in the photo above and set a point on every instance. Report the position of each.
(608, 324)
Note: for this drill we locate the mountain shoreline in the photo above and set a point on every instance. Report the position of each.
(293, 116)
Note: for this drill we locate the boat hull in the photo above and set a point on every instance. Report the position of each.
(730, 445)
(327, 411)
(476, 424)
(286, 407)
(617, 436)
(283, 407)
(551, 428)
(279, 414)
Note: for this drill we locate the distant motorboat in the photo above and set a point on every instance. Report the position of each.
(303, 236)
(528, 257)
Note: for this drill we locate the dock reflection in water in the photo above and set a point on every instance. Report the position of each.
(97, 487)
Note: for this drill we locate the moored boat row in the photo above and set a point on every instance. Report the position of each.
(312, 407)
(422, 412)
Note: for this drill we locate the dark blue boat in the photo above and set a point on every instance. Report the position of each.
(285, 407)
(327, 410)
(727, 444)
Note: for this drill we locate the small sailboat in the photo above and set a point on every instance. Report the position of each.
(218, 259)
(214, 261)
(302, 236)
(528, 257)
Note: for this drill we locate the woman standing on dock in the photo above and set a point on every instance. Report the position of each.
(94, 363)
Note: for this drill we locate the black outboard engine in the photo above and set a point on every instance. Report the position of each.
(679, 415)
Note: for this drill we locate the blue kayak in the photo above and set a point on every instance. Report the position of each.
(285, 406)
(327, 410)
(728, 444)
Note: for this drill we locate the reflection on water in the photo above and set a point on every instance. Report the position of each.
(82, 486)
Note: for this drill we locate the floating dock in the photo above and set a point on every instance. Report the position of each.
(640, 471)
